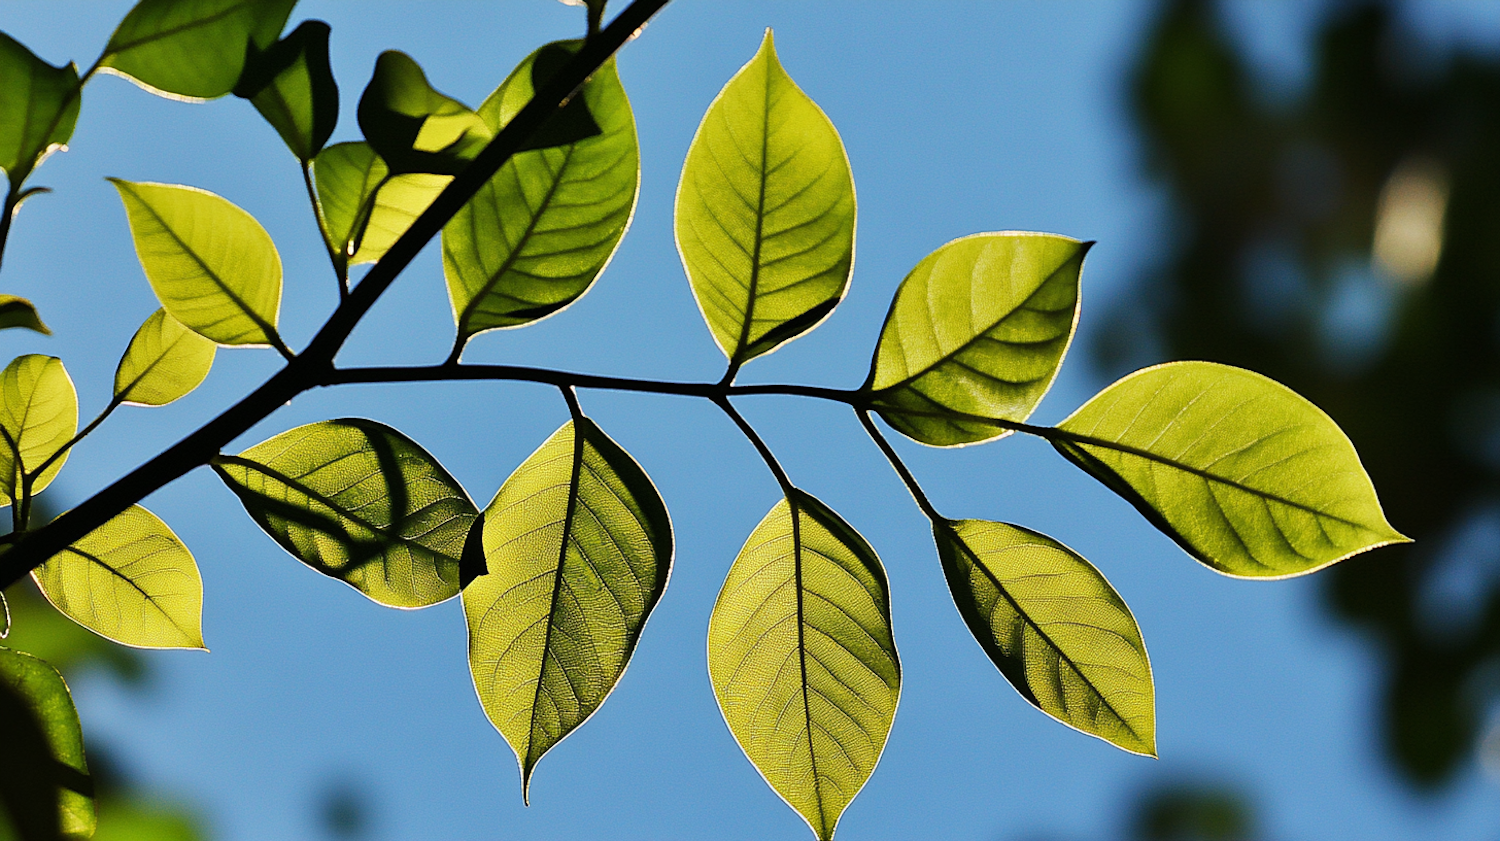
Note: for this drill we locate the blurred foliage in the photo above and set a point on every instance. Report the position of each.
(1341, 238)
(1193, 812)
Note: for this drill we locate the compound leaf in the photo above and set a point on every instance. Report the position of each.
(1245, 474)
(802, 660)
(38, 109)
(365, 208)
(164, 361)
(291, 84)
(38, 416)
(192, 49)
(1054, 627)
(765, 212)
(578, 547)
(45, 786)
(16, 311)
(412, 127)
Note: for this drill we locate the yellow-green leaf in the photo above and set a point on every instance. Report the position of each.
(292, 86)
(38, 415)
(38, 109)
(45, 786)
(164, 361)
(365, 208)
(16, 311)
(192, 49)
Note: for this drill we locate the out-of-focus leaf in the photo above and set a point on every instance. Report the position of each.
(412, 127)
(292, 86)
(164, 361)
(38, 109)
(16, 311)
(192, 49)
(359, 227)
(38, 415)
(45, 786)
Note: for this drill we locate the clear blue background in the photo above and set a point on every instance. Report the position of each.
(958, 117)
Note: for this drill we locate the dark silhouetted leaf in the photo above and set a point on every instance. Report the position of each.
(192, 49)
(38, 109)
(45, 786)
(412, 127)
(292, 86)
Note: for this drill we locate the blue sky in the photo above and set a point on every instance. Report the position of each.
(958, 117)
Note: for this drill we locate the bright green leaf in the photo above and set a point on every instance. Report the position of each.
(212, 266)
(362, 224)
(765, 212)
(412, 127)
(802, 660)
(192, 49)
(1246, 475)
(16, 311)
(978, 328)
(1055, 628)
(38, 109)
(44, 781)
(38, 416)
(578, 547)
(358, 501)
(130, 580)
(535, 237)
(292, 86)
(164, 361)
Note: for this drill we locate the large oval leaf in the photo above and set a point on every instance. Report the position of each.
(535, 237)
(765, 212)
(579, 547)
(358, 501)
(192, 49)
(802, 660)
(1055, 628)
(212, 266)
(411, 126)
(365, 208)
(163, 362)
(291, 84)
(978, 328)
(45, 786)
(1246, 475)
(38, 416)
(38, 109)
(130, 580)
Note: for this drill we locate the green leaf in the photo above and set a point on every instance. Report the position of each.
(535, 237)
(16, 311)
(291, 84)
(1055, 628)
(365, 208)
(1246, 475)
(38, 109)
(802, 660)
(38, 416)
(765, 212)
(212, 266)
(164, 361)
(131, 580)
(45, 786)
(978, 328)
(412, 127)
(579, 547)
(192, 49)
(358, 501)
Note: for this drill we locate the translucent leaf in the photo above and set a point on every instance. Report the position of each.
(212, 266)
(192, 49)
(535, 237)
(130, 580)
(1055, 628)
(38, 109)
(291, 84)
(802, 660)
(412, 127)
(978, 328)
(16, 311)
(163, 362)
(1246, 475)
(358, 501)
(765, 212)
(45, 786)
(578, 547)
(38, 416)
(362, 223)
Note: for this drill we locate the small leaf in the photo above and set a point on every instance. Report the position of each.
(38, 109)
(802, 660)
(358, 501)
(535, 237)
(978, 328)
(412, 127)
(192, 49)
(131, 580)
(1055, 628)
(212, 266)
(291, 84)
(38, 416)
(579, 548)
(16, 311)
(163, 362)
(45, 787)
(362, 224)
(765, 212)
(1246, 475)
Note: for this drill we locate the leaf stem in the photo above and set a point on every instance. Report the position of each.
(114, 404)
(906, 478)
(571, 397)
(722, 402)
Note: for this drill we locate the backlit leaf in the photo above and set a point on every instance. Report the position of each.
(358, 501)
(1055, 628)
(802, 660)
(765, 212)
(578, 547)
(130, 580)
(291, 84)
(16, 311)
(1246, 475)
(38, 109)
(163, 362)
(412, 127)
(45, 786)
(192, 49)
(38, 415)
(360, 227)
(978, 328)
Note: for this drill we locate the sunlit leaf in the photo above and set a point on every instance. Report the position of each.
(412, 127)
(358, 501)
(535, 237)
(802, 660)
(192, 49)
(45, 786)
(765, 212)
(1246, 475)
(360, 227)
(978, 328)
(578, 547)
(38, 109)
(130, 580)
(38, 415)
(163, 362)
(292, 86)
(212, 266)
(16, 311)
(1055, 628)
